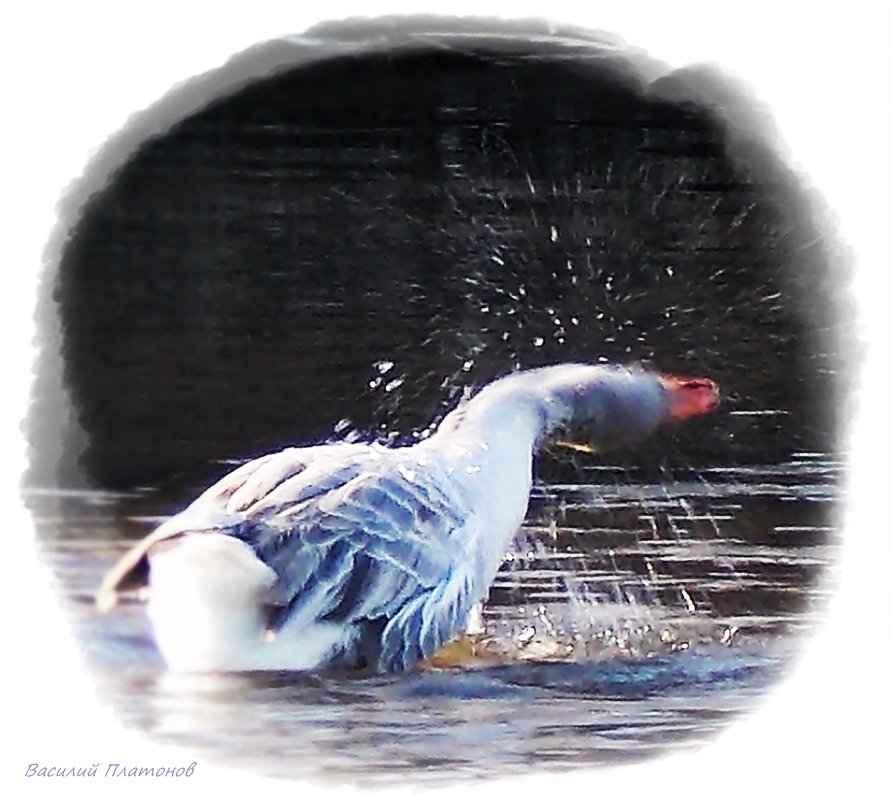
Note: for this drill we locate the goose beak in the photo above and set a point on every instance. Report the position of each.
(689, 397)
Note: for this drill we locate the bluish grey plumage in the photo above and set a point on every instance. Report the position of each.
(361, 555)
(372, 540)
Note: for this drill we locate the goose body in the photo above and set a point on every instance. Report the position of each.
(372, 557)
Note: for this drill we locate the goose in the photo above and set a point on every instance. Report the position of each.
(363, 556)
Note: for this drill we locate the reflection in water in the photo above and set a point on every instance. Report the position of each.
(516, 715)
(630, 618)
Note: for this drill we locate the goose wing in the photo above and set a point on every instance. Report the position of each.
(221, 506)
(378, 547)
(356, 534)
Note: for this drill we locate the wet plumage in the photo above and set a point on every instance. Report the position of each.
(366, 556)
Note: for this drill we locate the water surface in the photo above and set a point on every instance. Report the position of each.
(630, 619)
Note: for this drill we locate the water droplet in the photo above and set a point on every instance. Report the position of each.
(391, 385)
(383, 366)
(526, 635)
(538, 342)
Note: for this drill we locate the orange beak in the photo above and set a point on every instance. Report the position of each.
(689, 397)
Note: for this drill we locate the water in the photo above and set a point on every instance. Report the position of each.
(352, 246)
(630, 618)
(360, 243)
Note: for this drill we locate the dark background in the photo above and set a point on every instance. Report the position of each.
(348, 245)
